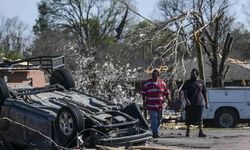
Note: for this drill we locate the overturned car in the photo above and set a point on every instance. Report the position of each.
(58, 115)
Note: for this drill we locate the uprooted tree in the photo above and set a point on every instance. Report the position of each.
(151, 43)
(84, 30)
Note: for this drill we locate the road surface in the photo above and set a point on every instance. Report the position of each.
(217, 139)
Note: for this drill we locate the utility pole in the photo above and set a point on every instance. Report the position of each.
(199, 55)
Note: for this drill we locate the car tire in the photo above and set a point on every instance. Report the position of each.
(69, 122)
(226, 118)
(4, 91)
(62, 77)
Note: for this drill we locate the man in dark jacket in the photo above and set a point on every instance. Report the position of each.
(195, 95)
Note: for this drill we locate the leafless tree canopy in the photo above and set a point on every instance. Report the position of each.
(92, 21)
(14, 39)
(12, 33)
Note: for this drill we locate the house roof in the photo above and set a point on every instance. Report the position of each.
(238, 70)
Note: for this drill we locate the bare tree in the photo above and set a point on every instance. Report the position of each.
(92, 21)
(210, 19)
(241, 42)
(12, 34)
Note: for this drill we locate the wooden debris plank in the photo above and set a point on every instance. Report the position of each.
(150, 148)
(101, 147)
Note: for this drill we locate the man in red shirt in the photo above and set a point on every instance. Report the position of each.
(154, 94)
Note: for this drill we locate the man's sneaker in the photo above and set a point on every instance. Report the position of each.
(201, 134)
(156, 135)
(187, 133)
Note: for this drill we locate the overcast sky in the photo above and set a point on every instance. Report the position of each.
(27, 12)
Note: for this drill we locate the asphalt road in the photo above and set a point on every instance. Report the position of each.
(217, 139)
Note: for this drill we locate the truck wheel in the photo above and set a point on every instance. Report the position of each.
(63, 77)
(69, 122)
(226, 118)
(4, 91)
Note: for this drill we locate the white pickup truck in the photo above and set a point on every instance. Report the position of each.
(227, 107)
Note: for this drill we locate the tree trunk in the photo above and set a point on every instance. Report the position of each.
(218, 71)
(214, 76)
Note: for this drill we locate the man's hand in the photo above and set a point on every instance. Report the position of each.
(206, 105)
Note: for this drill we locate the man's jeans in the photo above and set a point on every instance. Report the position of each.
(155, 119)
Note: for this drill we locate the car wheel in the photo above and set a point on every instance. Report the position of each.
(69, 122)
(226, 118)
(4, 91)
(63, 77)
